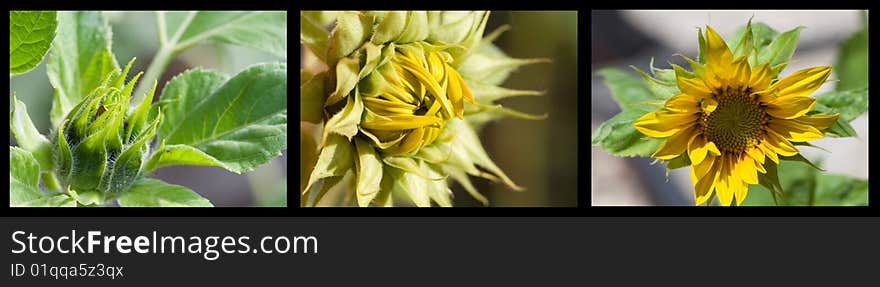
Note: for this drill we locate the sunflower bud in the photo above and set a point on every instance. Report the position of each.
(395, 121)
(409, 99)
(101, 145)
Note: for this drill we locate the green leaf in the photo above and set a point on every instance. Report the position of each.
(781, 49)
(242, 123)
(80, 59)
(850, 104)
(61, 200)
(368, 168)
(265, 31)
(30, 36)
(806, 186)
(661, 89)
(682, 160)
(27, 136)
(761, 37)
(852, 63)
(88, 198)
(799, 157)
(180, 155)
(629, 92)
(617, 136)
(156, 193)
(24, 177)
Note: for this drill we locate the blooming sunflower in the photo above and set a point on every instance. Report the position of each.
(730, 117)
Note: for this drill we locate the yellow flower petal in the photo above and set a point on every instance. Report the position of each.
(703, 188)
(756, 154)
(790, 107)
(768, 151)
(741, 193)
(675, 145)
(698, 171)
(795, 131)
(742, 72)
(779, 144)
(722, 187)
(661, 124)
(683, 103)
(694, 87)
(760, 78)
(717, 52)
(698, 147)
(818, 121)
(747, 171)
(802, 83)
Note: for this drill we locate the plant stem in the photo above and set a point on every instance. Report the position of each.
(51, 182)
(157, 67)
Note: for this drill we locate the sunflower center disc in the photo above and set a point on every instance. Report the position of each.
(737, 123)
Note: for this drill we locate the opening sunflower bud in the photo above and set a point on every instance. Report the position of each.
(396, 124)
(101, 144)
(418, 92)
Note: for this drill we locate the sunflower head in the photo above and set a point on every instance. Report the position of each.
(395, 122)
(409, 99)
(733, 113)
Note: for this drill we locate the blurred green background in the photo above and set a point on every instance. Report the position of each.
(539, 155)
(134, 35)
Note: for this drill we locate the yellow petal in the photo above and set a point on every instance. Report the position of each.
(747, 171)
(802, 82)
(760, 78)
(683, 103)
(675, 145)
(722, 186)
(790, 107)
(795, 131)
(769, 151)
(779, 144)
(703, 188)
(661, 124)
(699, 147)
(818, 121)
(756, 154)
(398, 122)
(741, 193)
(717, 52)
(694, 87)
(699, 170)
(742, 72)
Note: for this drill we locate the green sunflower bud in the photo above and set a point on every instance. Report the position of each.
(102, 144)
(395, 121)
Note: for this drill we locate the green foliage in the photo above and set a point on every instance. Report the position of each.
(156, 193)
(24, 176)
(804, 185)
(30, 36)
(100, 143)
(80, 59)
(265, 31)
(617, 135)
(852, 62)
(241, 122)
